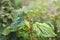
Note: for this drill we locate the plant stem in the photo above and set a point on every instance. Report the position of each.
(30, 24)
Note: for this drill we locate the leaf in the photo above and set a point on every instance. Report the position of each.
(6, 31)
(18, 3)
(24, 32)
(36, 30)
(18, 21)
(44, 29)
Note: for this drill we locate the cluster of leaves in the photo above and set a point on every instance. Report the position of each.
(14, 25)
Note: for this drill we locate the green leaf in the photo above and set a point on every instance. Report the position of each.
(23, 32)
(44, 29)
(6, 31)
(17, 3)
(18, 20)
